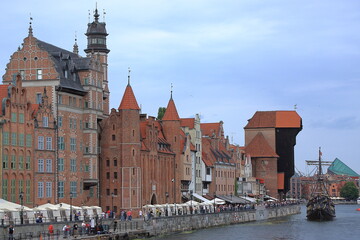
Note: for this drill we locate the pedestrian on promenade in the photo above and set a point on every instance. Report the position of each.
(51, 231)
(129, 215)
(115, 225)
(11, 232)
(140, 214)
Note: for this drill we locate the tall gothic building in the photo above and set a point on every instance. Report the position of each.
(52, 103)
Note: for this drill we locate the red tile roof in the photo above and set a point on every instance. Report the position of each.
(187, 122)
(275, 119)
(171, 112)
(129, 101)
(3, 94)
(208, 129)
(259, 147)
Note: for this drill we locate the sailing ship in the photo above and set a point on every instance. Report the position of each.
(320, 206)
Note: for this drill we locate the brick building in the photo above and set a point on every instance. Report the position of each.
(270, 138)
(64, 150)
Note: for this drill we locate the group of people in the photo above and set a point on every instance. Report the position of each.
(86, 228)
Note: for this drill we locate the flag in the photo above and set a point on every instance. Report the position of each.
(320, 153)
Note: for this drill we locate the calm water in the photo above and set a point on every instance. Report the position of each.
(345, 226)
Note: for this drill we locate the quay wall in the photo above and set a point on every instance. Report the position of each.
(162, 226)
(157, 226)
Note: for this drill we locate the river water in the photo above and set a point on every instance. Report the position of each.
(345, 226)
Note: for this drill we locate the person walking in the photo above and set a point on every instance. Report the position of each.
(51, 231)
(11, 232)
(140, 214)
(129, 215)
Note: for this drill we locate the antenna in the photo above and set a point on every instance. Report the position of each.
(104, 13)
(295, 106)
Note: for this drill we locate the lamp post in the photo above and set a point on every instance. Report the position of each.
(191, 198)
(167, 206)
(21, 196)
(112, 205)
(214, 200)
(71, 196)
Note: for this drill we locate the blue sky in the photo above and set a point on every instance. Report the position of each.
(226, 60)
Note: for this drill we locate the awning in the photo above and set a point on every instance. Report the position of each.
(232, 199)
(252, 200)
(201, 198)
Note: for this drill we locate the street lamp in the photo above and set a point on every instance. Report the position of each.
(112, 204)
(191, 199)
(214, 200)
(21, 196)
(167, 206)
(71, 196)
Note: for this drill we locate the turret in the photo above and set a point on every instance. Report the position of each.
(96, 35)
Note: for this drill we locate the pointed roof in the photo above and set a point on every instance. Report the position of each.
(339, 168)
(171, 113)
(128, 101)
(275, 119)
(259, 147)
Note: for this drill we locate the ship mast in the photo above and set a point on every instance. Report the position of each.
(320, 187)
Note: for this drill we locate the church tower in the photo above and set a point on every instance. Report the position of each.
(96, 48)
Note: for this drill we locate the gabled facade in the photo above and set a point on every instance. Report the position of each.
(217, 152)
(137, 162)
(191, 126)
(77, 96)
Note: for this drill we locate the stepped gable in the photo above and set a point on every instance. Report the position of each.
(340, 168)
(187, 122)
(259, 147)
(274, 119)
(128, 101)
(69, 61)
(171, 113)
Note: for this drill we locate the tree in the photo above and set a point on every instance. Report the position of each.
(161, 112)
(349, 191)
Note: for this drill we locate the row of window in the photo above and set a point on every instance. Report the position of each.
(39, 73)
(13, 193)
(44, 189)
(17, 139)
(92, 82)
(73, 102)
(19, 161)
(42, 145)
(14, 117)
(223, 188)
(225, 174)
(73, 123)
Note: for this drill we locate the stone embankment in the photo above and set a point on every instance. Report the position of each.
(156, 226)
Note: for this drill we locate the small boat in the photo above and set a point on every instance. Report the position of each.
(358, 200)
(320, 206)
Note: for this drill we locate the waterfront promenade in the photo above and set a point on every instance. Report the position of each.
(116, 229)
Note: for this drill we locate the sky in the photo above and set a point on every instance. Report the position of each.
(225, 59)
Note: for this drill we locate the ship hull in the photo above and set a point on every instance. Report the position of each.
(320, 215)
(320, 208)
